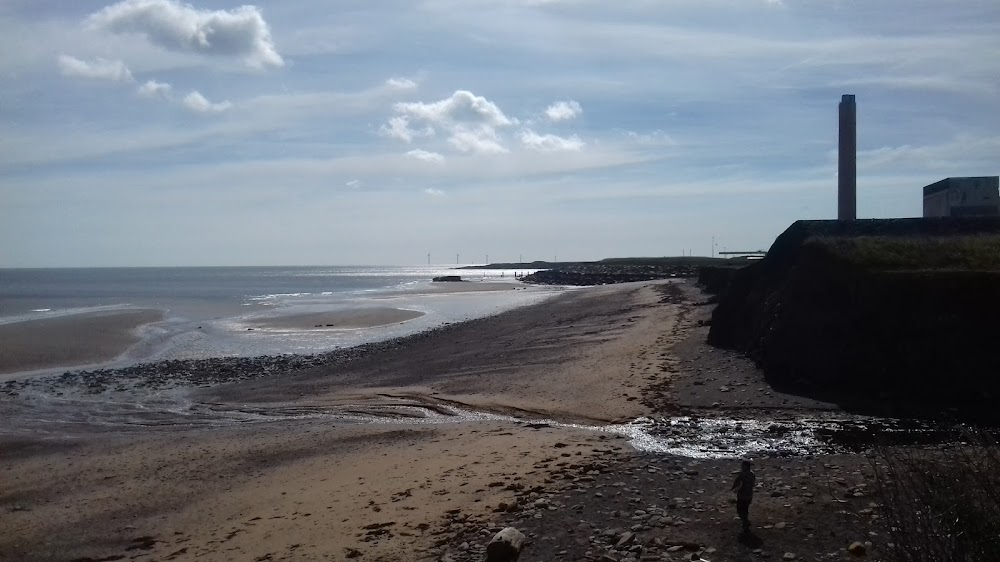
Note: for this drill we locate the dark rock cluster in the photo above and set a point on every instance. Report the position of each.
(605, 274)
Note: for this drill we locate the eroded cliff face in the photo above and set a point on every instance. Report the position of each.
(879, 316)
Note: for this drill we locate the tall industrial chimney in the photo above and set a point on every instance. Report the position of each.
(847, 170)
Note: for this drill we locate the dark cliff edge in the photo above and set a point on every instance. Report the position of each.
(891, 317)
(715, 279)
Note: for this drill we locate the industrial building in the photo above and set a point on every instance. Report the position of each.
(963, 197)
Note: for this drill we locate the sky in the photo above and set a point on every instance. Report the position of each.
(309, 132)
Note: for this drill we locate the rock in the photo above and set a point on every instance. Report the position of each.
(447, 279)
(626, 538)
(505, 546)
(857, 549)
(789, 556)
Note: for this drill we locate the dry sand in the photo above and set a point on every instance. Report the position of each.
(79, 339)
(340, 319)
(312, 489)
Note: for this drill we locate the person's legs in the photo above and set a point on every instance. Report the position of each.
(743, 510)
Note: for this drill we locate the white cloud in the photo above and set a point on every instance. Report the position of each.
(462, 107)
(240, 32)
(200, 104)
(154, 89)
(399, 128)
(654, 138)
(101, 69)
(401, 83)
(353, 184)
(966, 155)
(426, 156)
(284, 107)
(939, 83)
(470, 121)
(550, 143)
(434, 192)
(479, 140)
(563, 111)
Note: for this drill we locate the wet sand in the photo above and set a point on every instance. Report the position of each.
(340, 319)
(312, 488)
(79, 339)
(468, 285)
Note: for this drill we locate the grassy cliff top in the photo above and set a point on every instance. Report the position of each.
(974, 252)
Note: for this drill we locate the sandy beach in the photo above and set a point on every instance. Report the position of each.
(371, 458)
(78, 339)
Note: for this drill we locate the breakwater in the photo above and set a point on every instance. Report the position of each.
(623, 270)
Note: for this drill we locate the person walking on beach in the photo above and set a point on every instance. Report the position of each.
(743, 486)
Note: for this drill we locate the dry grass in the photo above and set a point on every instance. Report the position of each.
(958, 253)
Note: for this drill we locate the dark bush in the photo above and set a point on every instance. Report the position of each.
(940, 504)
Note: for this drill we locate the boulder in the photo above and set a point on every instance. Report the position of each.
(505, 546)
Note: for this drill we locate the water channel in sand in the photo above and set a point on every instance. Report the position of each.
(710, 436)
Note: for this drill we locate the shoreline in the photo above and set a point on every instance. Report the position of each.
(214, 371)
(98, 341)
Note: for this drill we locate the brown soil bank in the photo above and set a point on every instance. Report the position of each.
(889, 316)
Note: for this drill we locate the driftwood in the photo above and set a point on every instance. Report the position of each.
(505, 546)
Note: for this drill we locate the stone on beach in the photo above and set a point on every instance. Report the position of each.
(505, 546)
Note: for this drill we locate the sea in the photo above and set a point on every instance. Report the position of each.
(208, 309)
